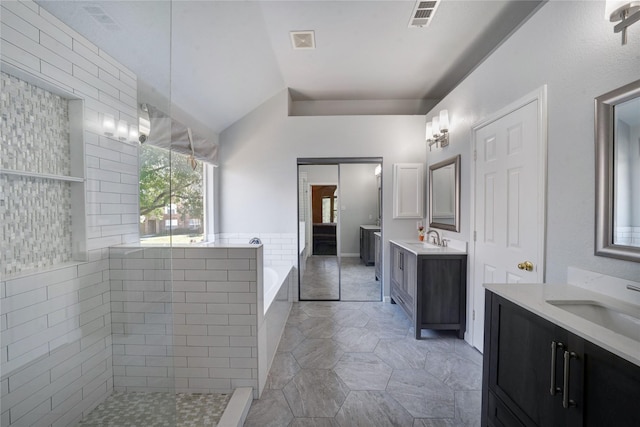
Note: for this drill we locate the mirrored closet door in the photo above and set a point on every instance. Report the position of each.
(339, 221)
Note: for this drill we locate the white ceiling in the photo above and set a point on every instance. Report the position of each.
(219, 60)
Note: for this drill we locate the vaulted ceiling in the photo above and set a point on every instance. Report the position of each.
(218, 60)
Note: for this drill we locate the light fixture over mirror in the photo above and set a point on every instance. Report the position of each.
(627, 12)
(437, 130)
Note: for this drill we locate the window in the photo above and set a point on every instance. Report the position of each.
(172, 189)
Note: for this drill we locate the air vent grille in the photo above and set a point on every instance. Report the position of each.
(303, 39)
(423, 13)
(101, 17)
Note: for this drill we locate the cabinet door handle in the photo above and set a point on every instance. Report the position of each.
(554, 352)
(566, 402)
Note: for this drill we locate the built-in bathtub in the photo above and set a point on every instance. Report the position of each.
(278, 284)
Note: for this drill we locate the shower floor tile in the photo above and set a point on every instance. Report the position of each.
(132, 409)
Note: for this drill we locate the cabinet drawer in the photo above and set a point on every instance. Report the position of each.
(401, 300)
(499, 415)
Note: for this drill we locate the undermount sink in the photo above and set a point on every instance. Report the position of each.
(425, 245)
(621, 322)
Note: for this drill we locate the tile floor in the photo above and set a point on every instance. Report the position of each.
(357, 281)
(357, 364)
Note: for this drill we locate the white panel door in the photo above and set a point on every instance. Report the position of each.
(508, 227)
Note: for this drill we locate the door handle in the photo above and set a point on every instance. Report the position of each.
(527, 265)
(566, 402)
(554, 351)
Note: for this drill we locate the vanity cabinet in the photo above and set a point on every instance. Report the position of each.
(367, 243)
(431, 288)
(539, 374)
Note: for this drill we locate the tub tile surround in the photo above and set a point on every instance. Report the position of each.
(279, 248)
(55, 333)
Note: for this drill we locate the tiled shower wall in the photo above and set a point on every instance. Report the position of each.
(55, 333)
(36, 212)
(185, 319)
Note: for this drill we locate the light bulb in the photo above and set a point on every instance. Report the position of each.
(436, 126)
(429, 131)
(108, 124)
(444, 121)
(123, 130)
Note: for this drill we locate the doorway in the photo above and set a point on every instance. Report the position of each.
(509, 173)
(339, 212)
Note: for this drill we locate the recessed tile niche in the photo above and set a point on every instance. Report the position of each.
(42, 177)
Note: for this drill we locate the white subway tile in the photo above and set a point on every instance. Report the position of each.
(186, 264)
(146, 371)
(207, 341)
(23, 300)
(242, 276)
(237, 319)
(243, 341)
(236, 330)
(208, 362)
(208, 297)
(230, 373)
(210, 383)
(189, 308)
(249, 253)
(211, 275)
(208, 319)
(158, 318)
(243, 362)
(127, 360)
(190, 330)
(236, 298)
(143, 285)
(39, 280)
(144, 307)
(228, 287)
(126, 381)
(228, 308)
(145, 328)
(128, 339)
(191, 286)
(230, 352)
(145, 350)
(190, 351)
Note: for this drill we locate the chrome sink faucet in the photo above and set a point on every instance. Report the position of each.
(436, 238)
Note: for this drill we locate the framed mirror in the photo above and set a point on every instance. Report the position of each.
(617, 133)
(444, 194)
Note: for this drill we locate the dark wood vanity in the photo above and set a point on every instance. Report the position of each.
(430, 285)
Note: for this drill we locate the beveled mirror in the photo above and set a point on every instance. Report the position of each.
(444, 194)
(617, 132)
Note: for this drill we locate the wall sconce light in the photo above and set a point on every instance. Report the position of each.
(133, 133)
(108, 124)
(628, 12)
(437, 130)
(123, 130)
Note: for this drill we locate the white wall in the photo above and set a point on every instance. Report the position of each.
(358, 204)
(259, 152)
(568, 46)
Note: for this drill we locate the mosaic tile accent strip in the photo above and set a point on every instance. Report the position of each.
(134, 409)
(34, 128)
(36, 223)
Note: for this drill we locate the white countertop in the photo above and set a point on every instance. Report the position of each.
(370, 227)
(534, 297)
(422, 248)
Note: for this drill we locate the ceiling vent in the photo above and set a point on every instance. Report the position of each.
(423, 13)
(101, 17)
(303, 39)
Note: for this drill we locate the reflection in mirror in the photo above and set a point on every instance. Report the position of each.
(444, 194)
(318, 217)
(617, 120)
(340, 255)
